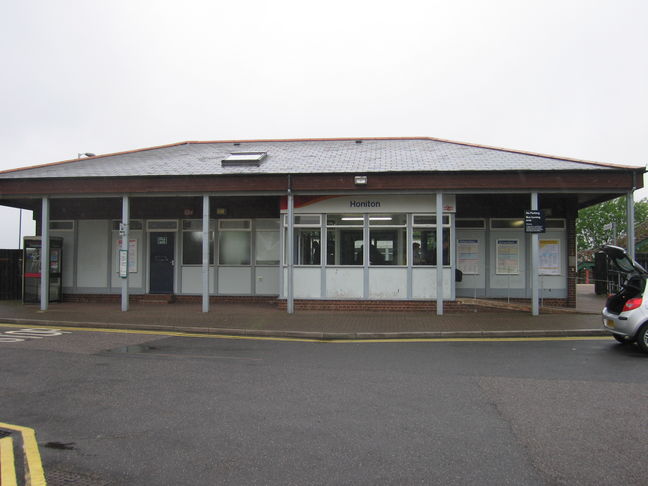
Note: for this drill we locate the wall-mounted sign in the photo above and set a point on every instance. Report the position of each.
(383, 203)
(468, 256)
(534, 221)
(123, 263)
(132, 255)
(508, 257)
(549, 256)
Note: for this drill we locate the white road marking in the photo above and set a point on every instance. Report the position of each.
(26, 334)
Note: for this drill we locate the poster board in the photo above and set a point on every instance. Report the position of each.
(468, 256)
(549, 257)
(507, 257)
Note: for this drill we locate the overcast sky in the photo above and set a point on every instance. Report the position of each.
(566, 78)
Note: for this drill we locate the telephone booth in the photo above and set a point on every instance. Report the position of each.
(32, 269)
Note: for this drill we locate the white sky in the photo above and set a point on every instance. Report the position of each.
(566, 78)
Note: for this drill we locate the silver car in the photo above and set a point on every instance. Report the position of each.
(626, 313)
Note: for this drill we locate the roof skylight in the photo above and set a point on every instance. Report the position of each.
(238, 159)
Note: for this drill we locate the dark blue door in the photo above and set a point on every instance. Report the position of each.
(162, 252)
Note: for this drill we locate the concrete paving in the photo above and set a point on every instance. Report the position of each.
(267, 320)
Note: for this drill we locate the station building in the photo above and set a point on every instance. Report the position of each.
(372, 224)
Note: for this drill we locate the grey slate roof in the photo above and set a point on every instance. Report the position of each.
(307, 157)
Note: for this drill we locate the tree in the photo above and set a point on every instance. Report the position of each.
(589, 226)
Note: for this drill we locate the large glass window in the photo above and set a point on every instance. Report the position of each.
(307, 239)
(192, 242)
(266, 242)
(345, 242)
(387, 239)
(424, 243)
(234, 242)
(307, 246)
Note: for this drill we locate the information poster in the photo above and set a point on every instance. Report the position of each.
(132, 254)
(549, 256)
(468, 256)
(508, 257)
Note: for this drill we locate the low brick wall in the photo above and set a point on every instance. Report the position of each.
(460, 305)
(377, 305)
(167, 299)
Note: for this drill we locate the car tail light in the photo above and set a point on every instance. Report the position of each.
(632, 304)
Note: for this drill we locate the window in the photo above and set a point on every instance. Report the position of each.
(507, 223)
(387, 239)
(133, 224)
(307, 239)
(266, 242)
(424, 243)
(234, 242)
(345, 239)
(555, 224)
(168, 225)
(307, 246)
(61, 225)
(192, 242)
(244, 159)
(470, 223)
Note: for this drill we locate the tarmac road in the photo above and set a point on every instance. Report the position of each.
(149, 409)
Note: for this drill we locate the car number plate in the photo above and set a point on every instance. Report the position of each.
(609, 323)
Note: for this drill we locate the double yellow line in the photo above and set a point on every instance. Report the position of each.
(34, 474)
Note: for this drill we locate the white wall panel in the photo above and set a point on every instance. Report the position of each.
(92, 254)
(192, 280)
(307, 282)
(234, 281)
(267, 280)
(424, 283)
(388, 283)
(344, 283)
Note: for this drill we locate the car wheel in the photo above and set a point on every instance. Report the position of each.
(621, 339)
(642, 338)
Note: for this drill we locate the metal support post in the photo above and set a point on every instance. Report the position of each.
(45, 255)
(535, 253)
(125, 227)
(205, 254)
(631, 223)
(439, 253)
(290, 303)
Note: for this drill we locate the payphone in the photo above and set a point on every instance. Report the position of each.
(32, 269)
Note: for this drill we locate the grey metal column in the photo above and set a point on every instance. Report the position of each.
(205, 254)
(45, 251)
(631, 223)
(290, 303)
(124, 247)
(535, 252)
(439, 253)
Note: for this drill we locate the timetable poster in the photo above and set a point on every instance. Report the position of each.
(549, 256)
(468, 256)
(508, 257)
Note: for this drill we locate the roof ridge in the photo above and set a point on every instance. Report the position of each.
(338, 139)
